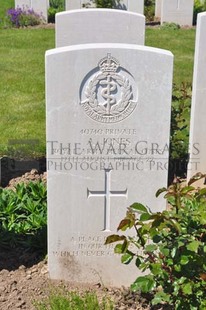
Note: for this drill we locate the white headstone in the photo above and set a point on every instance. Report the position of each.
(158, 7)
(177, 11)
(39, 6)
(108, 124)
(73, 4)
(22, 3)
(136, 6)
(197, 162)
(99, 26)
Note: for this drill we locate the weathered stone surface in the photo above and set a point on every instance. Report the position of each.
(158, 7)
(99, 26)
(177, 11)
(108, 124)
(197, 162)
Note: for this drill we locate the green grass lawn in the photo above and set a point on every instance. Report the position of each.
(4, 6)
(22, 83)
(182, 44)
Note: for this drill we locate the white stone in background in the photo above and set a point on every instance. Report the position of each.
(108, 125)
(73, 4)
(99, 26)
(197, 162)
(39, 6)
(22, 3)
(158, 6)
(136, 6)
(177, 11)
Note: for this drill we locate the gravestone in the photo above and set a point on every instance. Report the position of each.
(197, 162)
(136, 6)
(73, 4)
(177, 11)
(108, 125)
(39, 6)
(22, 3)
(158, 7)
(102, 25)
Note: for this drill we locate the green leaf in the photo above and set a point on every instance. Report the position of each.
(114, 238)
(187, 189)
(150, 247)
(138, 262)
(156, 239)
(145, 217)
(144, 284)
(118, 249)
(173, 252)
(164, 251)
(187, 288)
(202, 191)
(138, 207)
(143, 266)
(160, 191)
(127, 258)
(177, 268)
(160, 297)
(184, 260)
(193, 246)
(125, 245)
(156, 269)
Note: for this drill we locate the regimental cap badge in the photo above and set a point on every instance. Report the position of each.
(109, 64)
(110, 94)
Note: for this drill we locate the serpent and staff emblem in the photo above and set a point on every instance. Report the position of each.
(108, 95)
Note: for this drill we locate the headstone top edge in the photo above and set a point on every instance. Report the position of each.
(200, 15)
(85, 11)
(114, 46)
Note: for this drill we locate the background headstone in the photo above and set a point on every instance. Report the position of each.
(136, 6)
(99, 26)
(22, 3)
(177, 11)
(197, 162)
(73, 4)
(108, 125)
(158, 7)
(39, 6)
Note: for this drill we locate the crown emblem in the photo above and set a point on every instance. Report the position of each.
(106, 95)
(108, 64)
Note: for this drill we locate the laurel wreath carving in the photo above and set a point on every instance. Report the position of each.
(117, 108)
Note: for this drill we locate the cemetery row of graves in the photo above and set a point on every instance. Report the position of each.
(181, 91)
(112, 110)
(28, 12)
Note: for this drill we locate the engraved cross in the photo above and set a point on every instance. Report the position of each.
(178, 4)
(107, 193)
